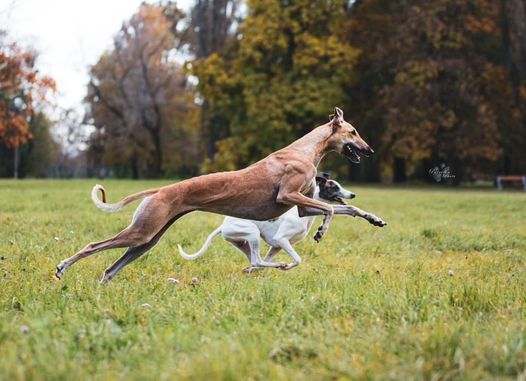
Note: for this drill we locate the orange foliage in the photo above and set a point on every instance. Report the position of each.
(21, 88)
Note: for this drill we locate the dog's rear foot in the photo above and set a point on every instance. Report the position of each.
(288, 266)
(59, 271)
(105, 278)
(262, 265)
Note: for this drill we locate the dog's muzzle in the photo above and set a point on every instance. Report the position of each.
(340, 199)
(353, 152)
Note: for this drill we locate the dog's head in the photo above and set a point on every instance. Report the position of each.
(345, 139)
(330, 190)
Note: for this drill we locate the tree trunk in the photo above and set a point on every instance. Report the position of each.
(513, 31)
(16, 162)
(156, 166)
(399, 170)
(212, 21)
(206, 130)
(135, 166)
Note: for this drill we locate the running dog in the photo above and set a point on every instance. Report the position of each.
(279, 233)
(262, 191)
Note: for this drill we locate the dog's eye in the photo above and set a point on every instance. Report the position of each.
(354, 132)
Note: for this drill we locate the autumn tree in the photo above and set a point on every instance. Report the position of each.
(137, 93)
(22, 91)
(430, 79)
(285, 74)
(37, 156)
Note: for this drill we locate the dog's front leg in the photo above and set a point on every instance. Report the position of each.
(348, 210)
(371, 218)
(296, 198)
(293, 185)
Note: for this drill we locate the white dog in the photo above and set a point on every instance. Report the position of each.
(279, 233)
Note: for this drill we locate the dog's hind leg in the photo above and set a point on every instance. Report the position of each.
(241, 246)
(130, 255)
(251, 250)
(133, 253)
(149, 220)
(255, 258)
(127, 237)
(271, 253)
(246, 249)
(287, 246)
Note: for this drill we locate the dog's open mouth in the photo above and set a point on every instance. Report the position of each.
(351, 153)
(340, 200)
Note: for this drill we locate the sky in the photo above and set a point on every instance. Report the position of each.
(69, 35)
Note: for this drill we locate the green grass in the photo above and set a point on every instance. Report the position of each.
(365, 303)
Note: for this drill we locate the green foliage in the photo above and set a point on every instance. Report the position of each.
(366, 303)
(284, 75)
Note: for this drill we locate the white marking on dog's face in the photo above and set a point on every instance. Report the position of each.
(344, 193)
(331, 190)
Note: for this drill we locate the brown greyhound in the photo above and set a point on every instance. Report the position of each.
(262, 191)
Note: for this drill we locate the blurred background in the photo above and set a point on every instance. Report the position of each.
(169, 89)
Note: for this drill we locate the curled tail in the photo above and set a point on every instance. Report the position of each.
(201, 250)
(118, 206)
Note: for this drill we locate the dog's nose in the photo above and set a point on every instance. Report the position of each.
(367, 151)
(352, 195)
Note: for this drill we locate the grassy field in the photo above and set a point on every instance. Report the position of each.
(440, 293)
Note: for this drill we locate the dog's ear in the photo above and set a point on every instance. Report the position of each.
(320, 180)
(336, 119)
(325, 175)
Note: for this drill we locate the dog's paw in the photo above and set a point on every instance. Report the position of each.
(379, 222)
(288, 266)
(59, 271)
(105, 278)
(318, 236)
(376, 221)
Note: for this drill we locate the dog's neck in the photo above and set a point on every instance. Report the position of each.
(316, 144)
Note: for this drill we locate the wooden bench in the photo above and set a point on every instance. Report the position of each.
(511, 179)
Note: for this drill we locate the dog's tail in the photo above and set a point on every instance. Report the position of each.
(118, 206)
(201, 250)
